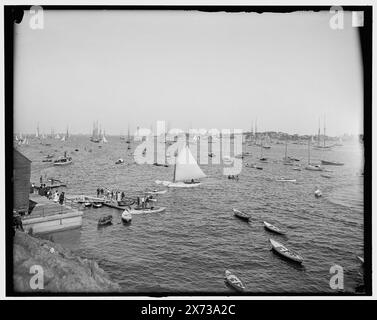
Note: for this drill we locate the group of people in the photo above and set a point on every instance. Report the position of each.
(233, 177)
(52, 195)
(142, 202)
(112, 195)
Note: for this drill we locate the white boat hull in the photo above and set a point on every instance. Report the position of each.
(140, 211)
(126, 216)
(183, 185)
(62, 163)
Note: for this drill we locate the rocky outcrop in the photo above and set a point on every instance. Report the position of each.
(62, 270)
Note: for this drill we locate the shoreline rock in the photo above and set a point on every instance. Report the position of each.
(63, 271)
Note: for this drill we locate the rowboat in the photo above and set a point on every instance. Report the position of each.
(285, 252)
(233, 281)
(311, 167)
(241, 215)
(332, 163)
(63, 161)
(97, 204)
(156, 192)
(106, 220)
(361, 259)
(87, 204)
(272, 228)
(285, 180)
(126, 216)
(140, 210)
(126, 202)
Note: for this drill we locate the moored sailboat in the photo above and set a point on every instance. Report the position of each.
(311, 167)
(95, 135)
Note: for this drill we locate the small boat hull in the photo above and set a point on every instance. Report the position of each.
(234, 281)
(313, 168)
(105, 221)
(126, 216)
(286, 180)
(183, 185)
(272, 228)
(332, 163)
(241, 215)
(156, 192)
(285, 252)
(62, 163)
(147, 210)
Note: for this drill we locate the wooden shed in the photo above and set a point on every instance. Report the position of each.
(21, 181)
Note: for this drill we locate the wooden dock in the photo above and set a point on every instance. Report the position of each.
(49, 216)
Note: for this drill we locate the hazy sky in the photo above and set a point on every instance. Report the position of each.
(193, 69)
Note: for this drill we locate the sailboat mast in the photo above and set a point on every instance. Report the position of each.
(308, 151)
(286, 146)
(319, 131)
(324, 130)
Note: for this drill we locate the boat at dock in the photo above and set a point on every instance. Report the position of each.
(234, 281)
(241, 215)
(126, 216)
(97, 204)
(273, 228)
(140, 210)
(126, 202)
(285, 252)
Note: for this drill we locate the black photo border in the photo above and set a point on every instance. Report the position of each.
(13, 13)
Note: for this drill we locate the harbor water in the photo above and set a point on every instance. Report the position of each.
(187, 248)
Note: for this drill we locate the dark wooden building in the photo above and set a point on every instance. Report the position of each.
(21, 181)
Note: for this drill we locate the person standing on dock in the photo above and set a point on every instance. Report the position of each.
(61, 198)
(56, 196)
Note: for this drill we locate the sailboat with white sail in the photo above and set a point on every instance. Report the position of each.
(186, 171)
(104, 140)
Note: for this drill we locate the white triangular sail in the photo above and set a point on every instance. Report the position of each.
(186, 167)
